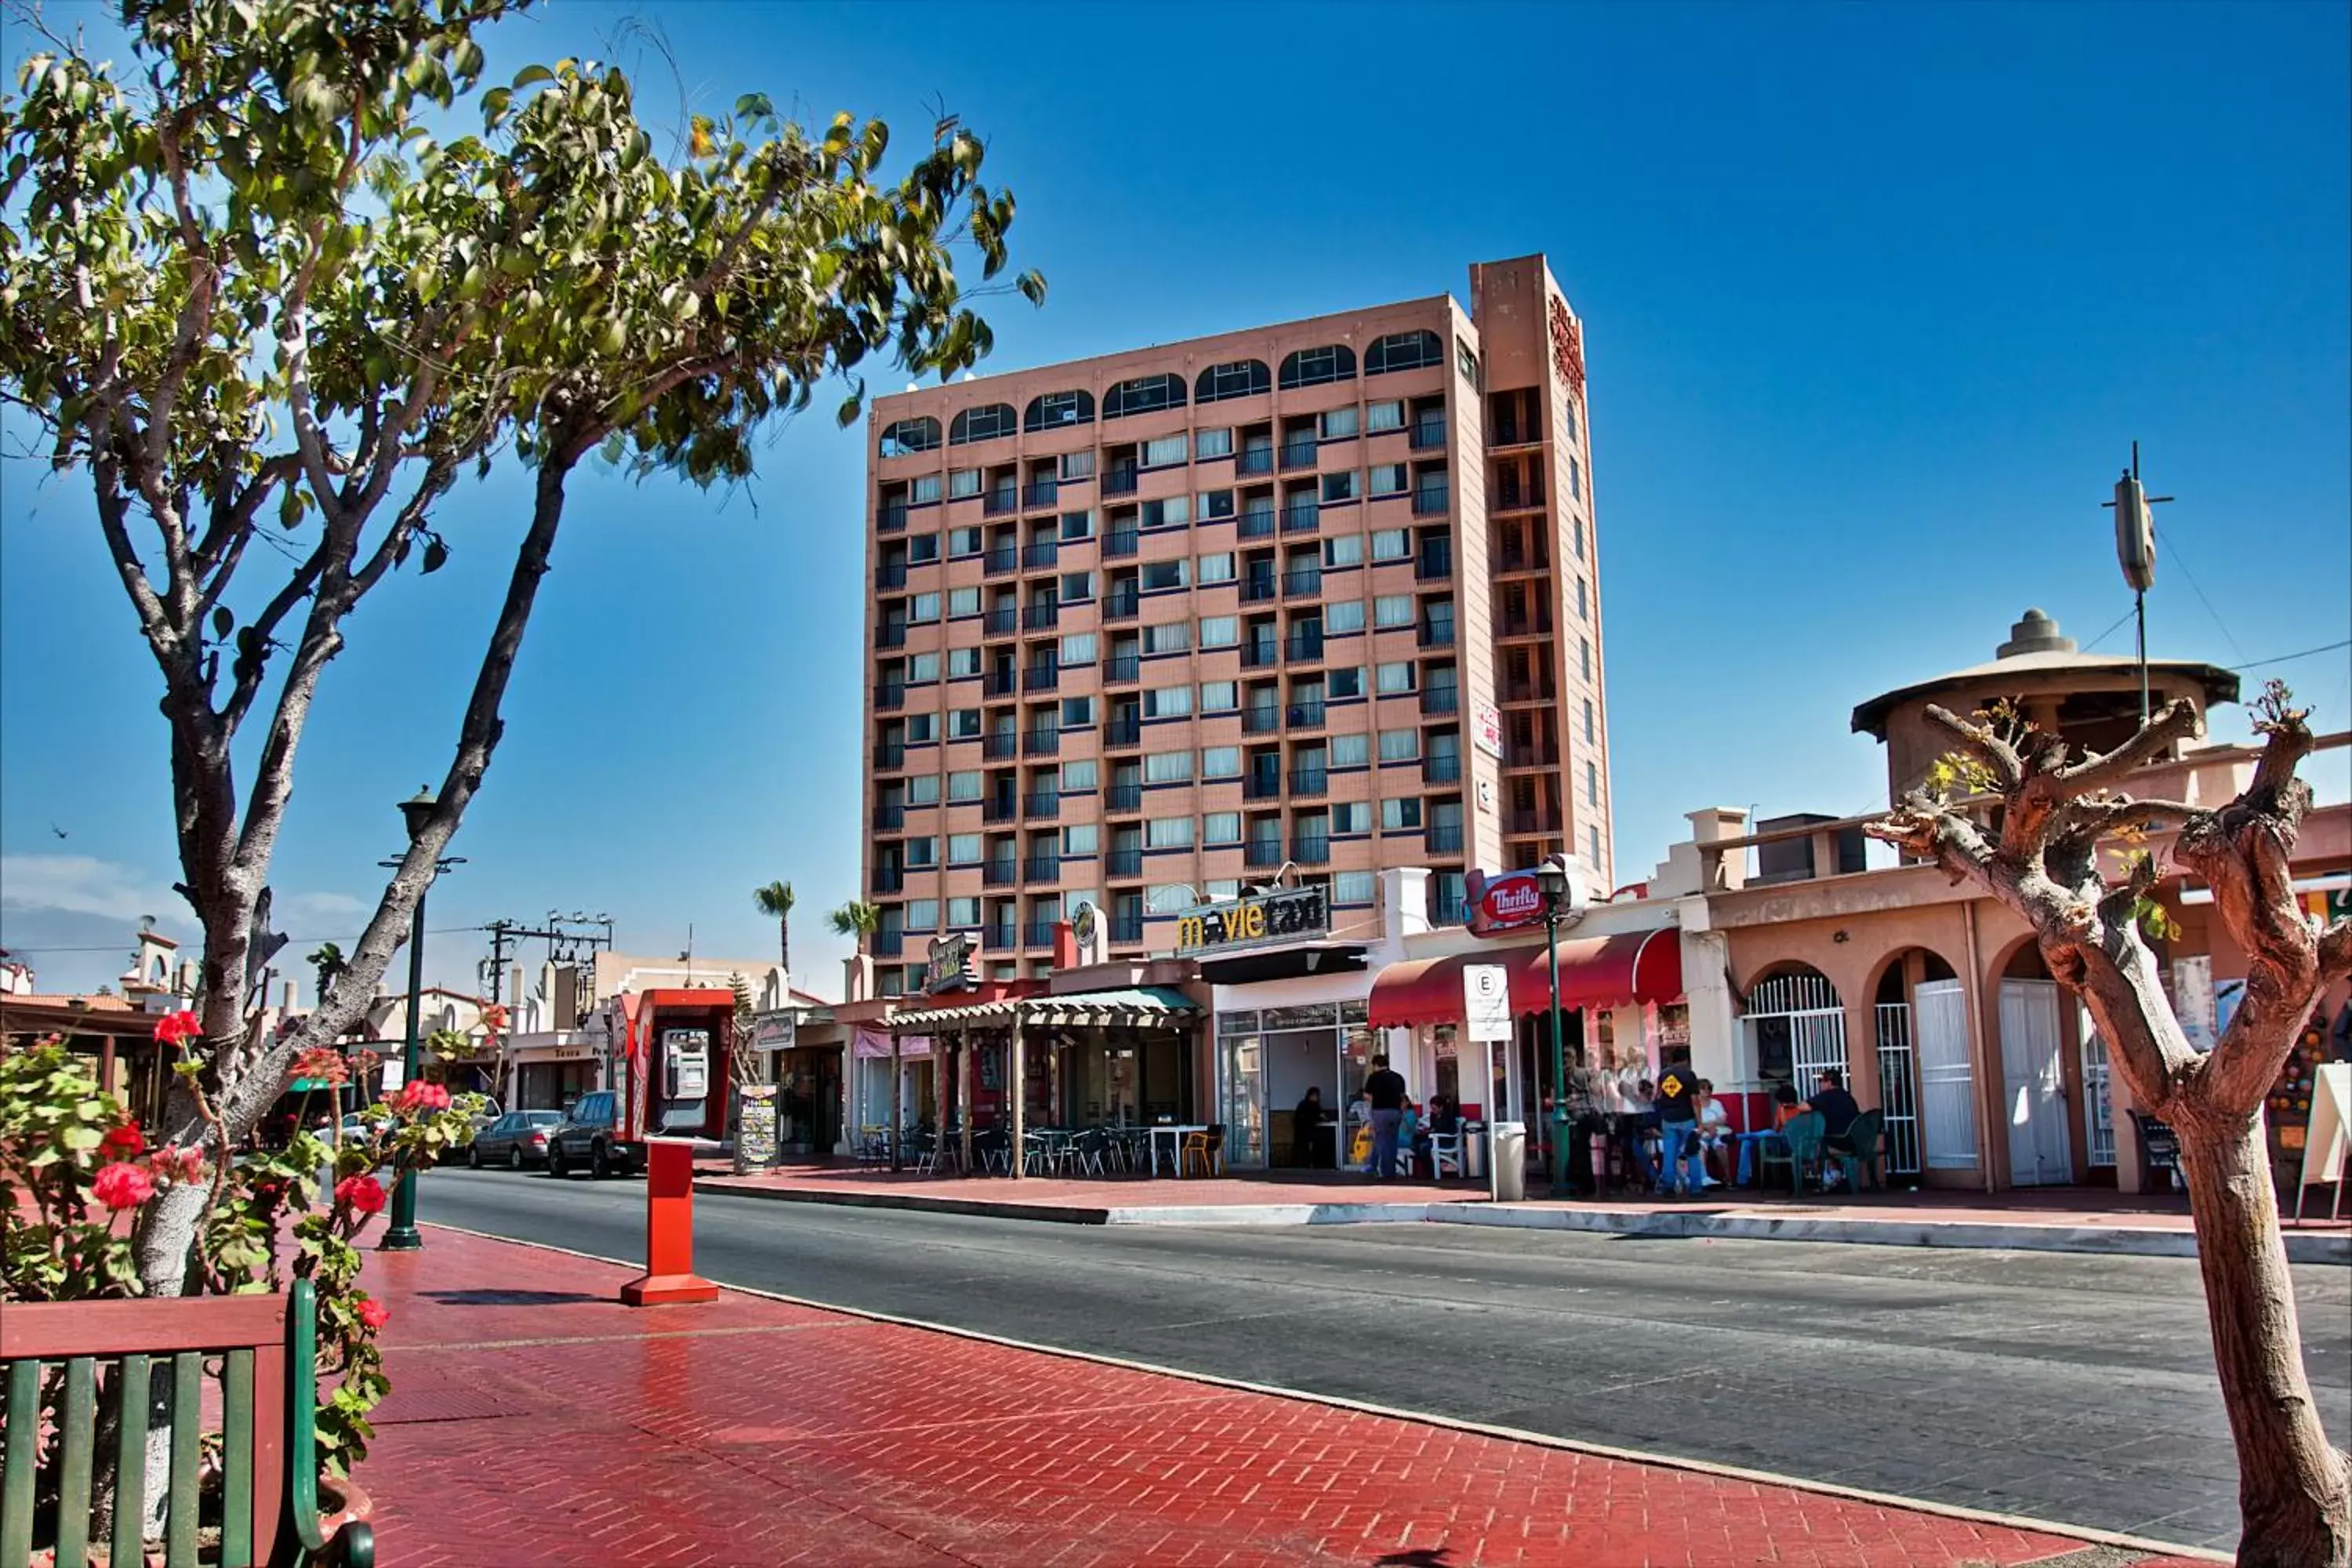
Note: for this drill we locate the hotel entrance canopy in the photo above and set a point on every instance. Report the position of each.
(1594, 972)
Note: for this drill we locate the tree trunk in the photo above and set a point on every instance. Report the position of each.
(2293, 1488)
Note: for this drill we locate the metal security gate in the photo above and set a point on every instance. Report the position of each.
(2098, 1104)
(1897, 1097)
(1795, 1029)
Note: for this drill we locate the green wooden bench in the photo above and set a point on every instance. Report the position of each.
(267, 1349)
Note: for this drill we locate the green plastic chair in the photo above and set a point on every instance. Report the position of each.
(1803, 1135)
(1868, 1134)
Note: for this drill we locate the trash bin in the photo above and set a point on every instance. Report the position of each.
(1474, 1150)
(1507, 1177)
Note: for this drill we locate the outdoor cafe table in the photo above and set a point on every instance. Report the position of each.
(1051, 1145)
(1174, 1133)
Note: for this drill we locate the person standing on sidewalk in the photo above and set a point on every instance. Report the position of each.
(1385, 1089)
(1678, 1127)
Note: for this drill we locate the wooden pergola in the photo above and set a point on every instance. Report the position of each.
(1018, 1019)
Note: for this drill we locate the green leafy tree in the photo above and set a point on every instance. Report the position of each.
(775, 902)
(2046, 855)
(277, 321)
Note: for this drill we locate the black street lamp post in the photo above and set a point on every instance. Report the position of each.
(401, 1235)
(1551, 881)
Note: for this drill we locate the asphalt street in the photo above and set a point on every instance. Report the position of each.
(2070, 1388)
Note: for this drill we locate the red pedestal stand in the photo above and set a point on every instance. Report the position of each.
(669, 1278)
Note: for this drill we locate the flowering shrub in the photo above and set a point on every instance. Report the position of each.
(75, 1171)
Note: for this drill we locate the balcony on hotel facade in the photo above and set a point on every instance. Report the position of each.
(1002, 872)
(1443, 839)
(1124, 863)
(1442, 770)
(1311, 849)
(1043, 806)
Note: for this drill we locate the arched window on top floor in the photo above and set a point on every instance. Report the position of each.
(1241, 378)
(985, 423)
(1053, 410)
(1313, 367)
(910, 436)
(1144, 394)
(1403, 351)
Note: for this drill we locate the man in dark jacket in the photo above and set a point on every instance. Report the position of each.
(1385, 1089)
(1837, 1108)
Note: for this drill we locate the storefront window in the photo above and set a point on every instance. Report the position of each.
(1266, 1062)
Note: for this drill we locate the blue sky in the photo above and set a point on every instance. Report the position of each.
(1875, 300)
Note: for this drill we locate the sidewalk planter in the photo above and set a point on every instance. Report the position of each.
(272, 1506)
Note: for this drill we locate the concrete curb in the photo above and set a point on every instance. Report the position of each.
(2085, 1533)
(1740, 1224)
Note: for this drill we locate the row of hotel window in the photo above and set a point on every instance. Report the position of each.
(1218, 566)
(1346, 685)
(1082, 775)
(1079, 649)
(1151, 393)
(1340, 617)
(1218, 829)
(921, 916)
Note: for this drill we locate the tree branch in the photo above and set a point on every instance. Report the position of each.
(1982, 743)
(2175, 720)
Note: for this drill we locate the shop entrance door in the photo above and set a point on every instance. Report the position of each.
(2032, 1085)
(1947, 1112)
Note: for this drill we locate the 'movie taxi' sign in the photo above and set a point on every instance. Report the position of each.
(1261, 918)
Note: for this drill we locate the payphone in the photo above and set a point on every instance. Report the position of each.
(684, 1080)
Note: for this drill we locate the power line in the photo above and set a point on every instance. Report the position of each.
(2191, 579)
(2307, 653)
(2093, 644)
(122, 947)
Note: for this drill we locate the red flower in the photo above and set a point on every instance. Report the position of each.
(360, 1194)
(176, 1162)
(178, 1029)
(122, 1187)
(373, 1313)
(323, 1064)
(423, 1095)
(125, 1143)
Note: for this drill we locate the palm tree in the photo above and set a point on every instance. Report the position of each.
(856, 919)
(775, 902)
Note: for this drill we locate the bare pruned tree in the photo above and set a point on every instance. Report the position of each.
(2042, 854)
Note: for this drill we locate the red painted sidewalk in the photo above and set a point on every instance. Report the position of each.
(535, 1421)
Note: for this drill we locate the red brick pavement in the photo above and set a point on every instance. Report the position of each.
(537, 1421)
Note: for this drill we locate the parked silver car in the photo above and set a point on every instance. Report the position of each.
(517, 1140)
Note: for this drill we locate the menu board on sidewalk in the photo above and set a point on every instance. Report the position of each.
(755, 1132)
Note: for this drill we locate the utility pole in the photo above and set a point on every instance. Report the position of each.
(2136, 553)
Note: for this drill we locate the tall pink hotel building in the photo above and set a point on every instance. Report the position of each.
(1310, 601)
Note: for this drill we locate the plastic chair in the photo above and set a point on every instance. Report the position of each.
(1803, 1137)
(1208, 1147)
(1868, 1134)
(1444, 1153)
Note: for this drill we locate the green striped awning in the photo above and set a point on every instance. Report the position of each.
(1135, 1007)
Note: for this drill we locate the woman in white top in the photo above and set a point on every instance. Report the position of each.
(1713, 1134)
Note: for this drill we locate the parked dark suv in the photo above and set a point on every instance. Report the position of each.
(589, 1136)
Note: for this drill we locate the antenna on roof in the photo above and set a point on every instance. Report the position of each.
(2136, 553)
